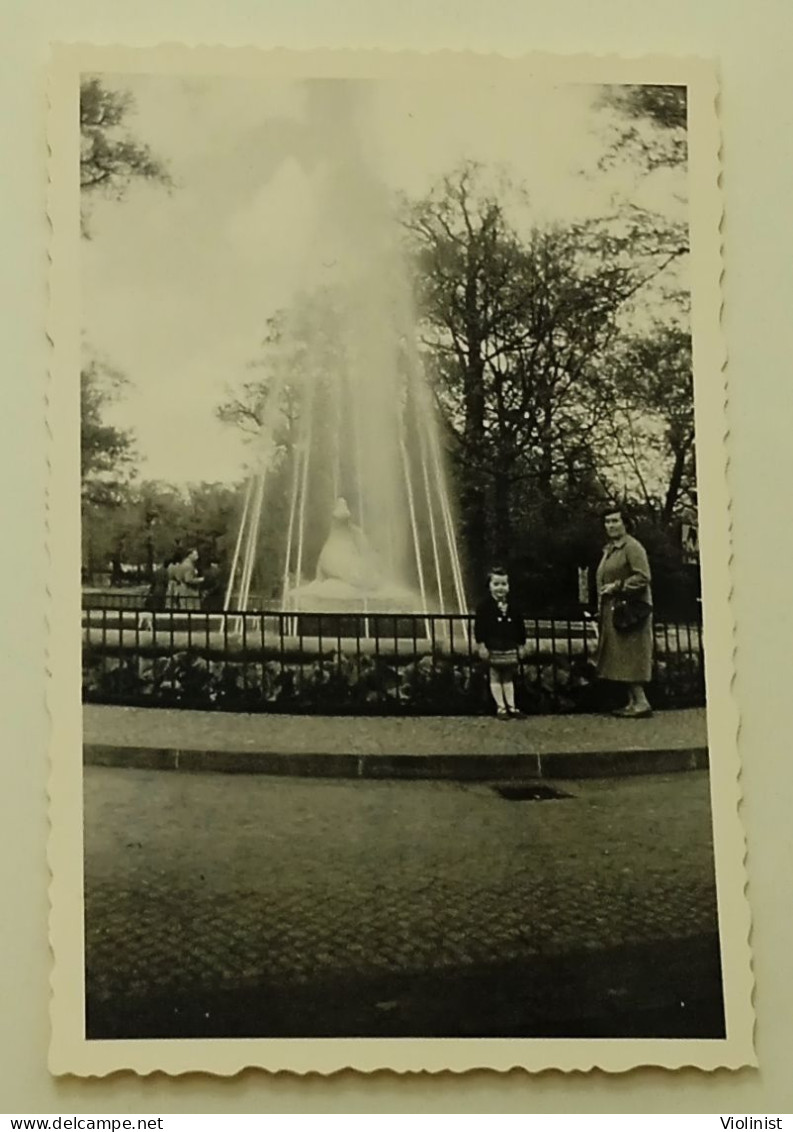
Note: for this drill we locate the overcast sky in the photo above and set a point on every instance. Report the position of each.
(177, 286)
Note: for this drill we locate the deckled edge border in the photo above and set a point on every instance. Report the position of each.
(70, 1053)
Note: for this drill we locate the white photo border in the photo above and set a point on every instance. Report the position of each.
(70, 1051)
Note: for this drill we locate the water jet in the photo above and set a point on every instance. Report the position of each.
(349, 444)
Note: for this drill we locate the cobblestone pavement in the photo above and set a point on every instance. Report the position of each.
(229, 731)
(246, 905)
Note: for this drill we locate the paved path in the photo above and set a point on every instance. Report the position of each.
(434, 746)
(247, 905)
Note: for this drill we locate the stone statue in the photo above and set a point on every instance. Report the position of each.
(347, 555)
(349, 578)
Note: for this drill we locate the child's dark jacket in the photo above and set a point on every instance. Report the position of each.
(499, 632)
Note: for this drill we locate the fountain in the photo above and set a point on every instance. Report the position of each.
(368, 525)
(349, 577)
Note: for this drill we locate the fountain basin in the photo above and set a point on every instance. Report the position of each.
(333, 596)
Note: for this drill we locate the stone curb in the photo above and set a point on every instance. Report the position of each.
(558, 765)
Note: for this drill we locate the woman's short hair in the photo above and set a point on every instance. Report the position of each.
(615, 509)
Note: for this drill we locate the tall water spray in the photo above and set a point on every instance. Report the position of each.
(369, 522)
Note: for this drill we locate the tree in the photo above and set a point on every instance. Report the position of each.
(152, 520)
(646, 134)
(110, 158)
(466, 259)
(516, 335)
(651, 431)
(651, 126)
(270, 398)
(107, 453)
(288, 410)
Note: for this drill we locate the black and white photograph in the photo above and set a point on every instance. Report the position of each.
(401, 664)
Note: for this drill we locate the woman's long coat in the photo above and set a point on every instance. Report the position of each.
(625, 657)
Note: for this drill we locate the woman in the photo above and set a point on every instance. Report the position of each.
(625, 654)
(183, 580)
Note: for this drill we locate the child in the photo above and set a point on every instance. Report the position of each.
(501, 635)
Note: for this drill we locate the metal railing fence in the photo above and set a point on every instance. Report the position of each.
(355, 663)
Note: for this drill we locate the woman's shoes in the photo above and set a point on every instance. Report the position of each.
(633, 712)
(502, 713)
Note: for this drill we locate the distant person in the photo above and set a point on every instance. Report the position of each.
(625, 606)
(213, 589)
(156, 598)
(184, 581)
(172, 571)
(158, 589)
(500, 633)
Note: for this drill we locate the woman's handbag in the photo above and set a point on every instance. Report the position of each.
(630, 613)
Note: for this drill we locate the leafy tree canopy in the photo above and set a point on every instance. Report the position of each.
(110, 157)
(107, 453)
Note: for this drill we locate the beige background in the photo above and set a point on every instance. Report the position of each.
(752, 44)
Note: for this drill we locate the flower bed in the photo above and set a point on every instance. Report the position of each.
(340, 682)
